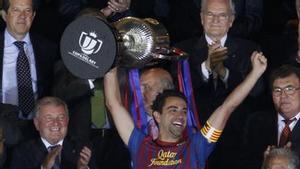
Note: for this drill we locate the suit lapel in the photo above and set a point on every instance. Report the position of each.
(68, 155)
(201, 43)
(40, 152)
(296, 131)
(201, 51)
(232, 47)
(1, 61)
(274, 133)
(38, 62)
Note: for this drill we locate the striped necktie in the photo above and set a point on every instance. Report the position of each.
(286, 133)
(57, 161)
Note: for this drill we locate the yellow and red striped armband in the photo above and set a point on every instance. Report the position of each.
(210, 133)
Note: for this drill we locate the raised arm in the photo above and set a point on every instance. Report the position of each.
(220, 116)
(121, 116)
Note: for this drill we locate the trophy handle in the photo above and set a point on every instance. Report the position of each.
(169, 54)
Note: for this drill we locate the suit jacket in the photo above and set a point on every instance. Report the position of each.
(12, 136)
(261, 130)
(31, 154)
(208, 97)
(77, 94)
(45, 53)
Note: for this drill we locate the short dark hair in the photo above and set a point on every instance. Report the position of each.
(6, 4)
(161, 98)
(282, 72)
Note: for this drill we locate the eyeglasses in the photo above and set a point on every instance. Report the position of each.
(290, 90)
(220, 17)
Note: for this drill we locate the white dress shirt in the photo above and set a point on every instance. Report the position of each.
(9, 78)
(47, 144)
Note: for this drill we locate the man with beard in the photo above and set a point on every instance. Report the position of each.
(172, 148)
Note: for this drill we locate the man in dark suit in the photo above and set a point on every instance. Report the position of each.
(271, 127)
(52, 149)
(218, 63)
(40, 53)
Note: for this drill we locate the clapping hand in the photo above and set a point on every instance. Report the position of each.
(84, 158)
(114, 6)
(119, 5)
(50, 159)
(270, 147)
(216, 57)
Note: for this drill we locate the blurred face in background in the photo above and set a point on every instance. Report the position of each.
(279, 162)
(153, 82)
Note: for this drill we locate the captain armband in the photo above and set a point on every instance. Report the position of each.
(210, 133)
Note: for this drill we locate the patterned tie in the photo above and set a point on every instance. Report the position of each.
(56, 164)
(152, 129)
(286, 133)
(25, 91)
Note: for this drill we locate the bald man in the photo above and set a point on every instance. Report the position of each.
(152, 82)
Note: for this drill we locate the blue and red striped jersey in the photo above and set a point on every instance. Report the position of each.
(189, 153)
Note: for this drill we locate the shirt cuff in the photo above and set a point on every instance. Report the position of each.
(205, 72)
(91, 83)
(225, 79)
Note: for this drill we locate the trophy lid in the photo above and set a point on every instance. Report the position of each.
(88, 47)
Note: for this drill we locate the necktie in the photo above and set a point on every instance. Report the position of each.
(25, 91)
(286, 133)
(56, 163)
(98, 108)
(152, 129)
